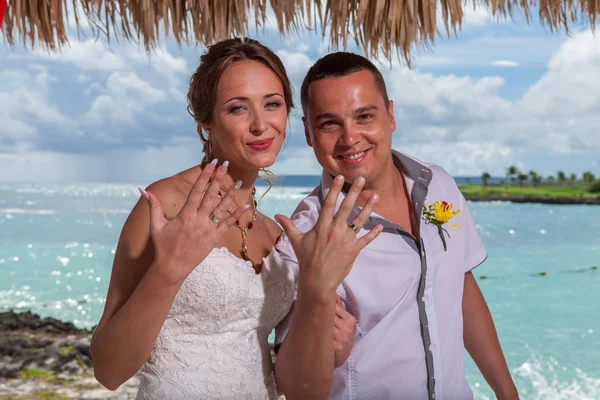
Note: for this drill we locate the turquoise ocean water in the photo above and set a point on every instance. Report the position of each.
(57, 244)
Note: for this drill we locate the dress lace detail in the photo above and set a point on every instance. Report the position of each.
(213, 344)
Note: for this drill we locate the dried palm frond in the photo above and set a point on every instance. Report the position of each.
(379, 27)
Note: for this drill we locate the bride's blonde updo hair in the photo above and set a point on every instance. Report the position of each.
(205, 81)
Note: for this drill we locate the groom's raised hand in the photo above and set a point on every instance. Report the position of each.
(326, 252)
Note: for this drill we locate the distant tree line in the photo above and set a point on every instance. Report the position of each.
(515, 175)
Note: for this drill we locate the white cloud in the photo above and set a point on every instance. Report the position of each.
(296, 64)
(87, 55)
(504, 63)
(46, 105)
(324, 47)
(302, 47)
(97, 57)
(172, 68)
(24, 107)
(425, 98)
(583, 48)
(464, 158)
(476, 15)
(125, 96)
(560, 112)
(92, 88)
(477, 51)
(566, 99)
(159, 59)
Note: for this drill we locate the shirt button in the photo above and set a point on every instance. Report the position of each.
(431, 348)
(423, 253)
(424, 299)
(433, 396)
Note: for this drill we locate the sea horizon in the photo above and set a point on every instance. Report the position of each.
(288, 180)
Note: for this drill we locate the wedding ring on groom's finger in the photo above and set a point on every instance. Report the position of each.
(354, 227)
(214, 219)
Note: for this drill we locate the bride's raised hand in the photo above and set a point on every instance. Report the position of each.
(182, 243)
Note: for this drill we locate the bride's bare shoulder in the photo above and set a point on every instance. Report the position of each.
(173, 191)
(272, 228)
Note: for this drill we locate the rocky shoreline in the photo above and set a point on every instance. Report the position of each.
(48, 359)
(44, 358)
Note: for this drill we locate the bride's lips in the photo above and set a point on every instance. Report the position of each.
(261, 144)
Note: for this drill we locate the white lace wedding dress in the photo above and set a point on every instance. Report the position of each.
(213, 344)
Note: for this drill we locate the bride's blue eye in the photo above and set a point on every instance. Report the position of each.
(274, 104)
(236, 109)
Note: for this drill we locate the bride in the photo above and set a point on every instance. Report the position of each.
(196, 284)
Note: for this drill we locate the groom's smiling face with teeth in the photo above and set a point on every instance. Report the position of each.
(349, 125)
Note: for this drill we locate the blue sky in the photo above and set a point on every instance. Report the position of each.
(500, 93)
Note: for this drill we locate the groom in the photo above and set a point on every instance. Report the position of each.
(415, 300)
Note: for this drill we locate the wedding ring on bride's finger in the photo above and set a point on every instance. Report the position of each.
(214, 219)
(354, 227)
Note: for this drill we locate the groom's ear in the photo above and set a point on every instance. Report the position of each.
(391, 117)
(307, 132)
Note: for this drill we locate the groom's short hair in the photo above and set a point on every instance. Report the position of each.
(336, 65)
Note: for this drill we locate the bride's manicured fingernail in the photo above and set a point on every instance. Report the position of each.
(374, 198)
(211, 167)
(339, 178)
(360, 180)
(223, 167)
(237, 186)
(144, 193)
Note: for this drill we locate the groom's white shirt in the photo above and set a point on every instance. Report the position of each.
(406, 295)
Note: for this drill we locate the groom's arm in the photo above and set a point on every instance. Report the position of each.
(305, 356)
(305, 361)
(481, 341)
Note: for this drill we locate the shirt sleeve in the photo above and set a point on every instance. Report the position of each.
(475, 251)
(286, 252)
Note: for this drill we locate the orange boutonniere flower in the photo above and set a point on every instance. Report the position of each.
(439, 214)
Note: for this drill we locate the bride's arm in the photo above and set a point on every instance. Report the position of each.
(138, 300)
(147, 274)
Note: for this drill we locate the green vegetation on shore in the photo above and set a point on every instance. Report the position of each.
(526, 191)
(35, 373)
(531, 187)
(38, 395)
(43, 375)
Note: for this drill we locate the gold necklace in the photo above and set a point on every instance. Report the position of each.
(244, 229)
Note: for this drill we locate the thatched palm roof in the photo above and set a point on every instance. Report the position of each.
(377, 26)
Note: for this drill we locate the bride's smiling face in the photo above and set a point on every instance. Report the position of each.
(249, 116)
